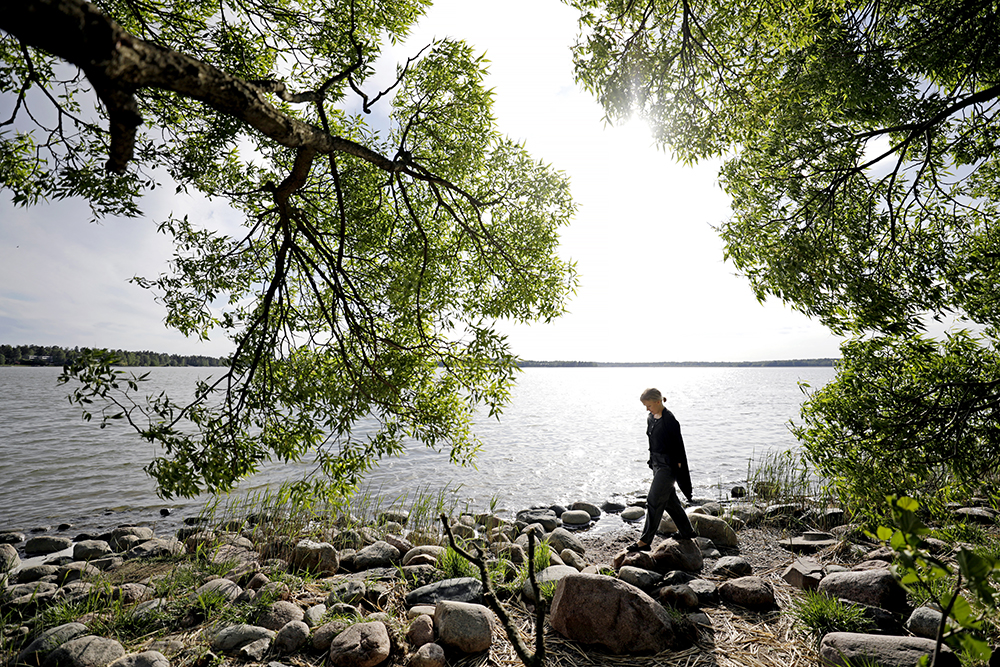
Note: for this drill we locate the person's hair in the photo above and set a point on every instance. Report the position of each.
(651, 394)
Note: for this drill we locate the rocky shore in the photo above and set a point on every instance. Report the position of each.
(352, 593)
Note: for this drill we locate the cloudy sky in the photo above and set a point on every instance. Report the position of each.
(654, 286)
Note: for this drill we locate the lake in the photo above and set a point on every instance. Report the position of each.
(569, 434)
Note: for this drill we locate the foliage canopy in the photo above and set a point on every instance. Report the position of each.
(385, 230)
(858, 141)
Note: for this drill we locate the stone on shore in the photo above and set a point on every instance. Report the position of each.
(876, 587)
(804, 574)
(597, 609)
(575, 518)
(143, 659)
(674, 554)
(85, 651)
(551, 573)
(429, 655)
(360, 645)
(750, 592)
(463, 626)
(235, 637)
(279, 614)
(844, 649)
(9, 560)
(39, 649)
(379, 554)
(291, 637)
(317, 557)
(561, 539)
(460, 589)
(43, 545)
(715, 529)
(732, 567)
(89, 550)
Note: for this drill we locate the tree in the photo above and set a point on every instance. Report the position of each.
(858, 142)
(376, 255)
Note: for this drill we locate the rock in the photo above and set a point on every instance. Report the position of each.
(75, 571)
(674, 554)
(108, 563)
(561, 539)
(781, 510)
(712, 508)
(314, 615)
(641, 559)
(750, 592)
(88, 550)
(432, 550)
(77, 591)
(36, 652)
(575, 518)
(85, 651)
(751, 515)
(573, 559)
(421, 630)
(715, 529)
(875, 564)
(255, 650)
(732, 567)
(291, 637)
(46, 544)
(460, 589)
(462, 531)
(515, 553)
(707, 592)
(131, 593)
(633, 514)
(429, 655)
(738, 492)
(350, 591)
(596, 609)
(402, 544)
(224, 587)
(280, 614)
(980, 515)
(316, 557)
(32, 573)
(9, 559)
(593, 510)
(144, 659)
(612, 506)
(394, 516)
(323, 636)
(463, 626)
(924, 622)
(379, 554)
(11, 537)
(644, 580)
(546, 517)
(876, 587)
(843, 649)
(124, 538)
(156, 548)
(809, 542)
(551, 573)
(678, 596)
(236, 636)
(360, 645)
(804, 574)
(274, 590)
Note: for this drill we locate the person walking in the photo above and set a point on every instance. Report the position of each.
(668, 462)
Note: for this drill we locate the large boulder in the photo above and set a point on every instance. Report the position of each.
(876, 587)
(844, 649)
(804, 573)
(674, 554)
(561, 539)
(9, 559)
(546, 517)
(46, 544)
(279, 614)
(88, 550)
(715, 529)
(463, 626)
(360, 645)
(732, 567)
(596, 609)
(85, 651)
(750, 592)
(317, 557)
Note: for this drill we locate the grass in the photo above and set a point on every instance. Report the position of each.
(820, 614)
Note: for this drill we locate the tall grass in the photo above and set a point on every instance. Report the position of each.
(783, 477)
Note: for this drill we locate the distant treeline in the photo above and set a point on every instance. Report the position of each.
(53, 355)
(736, 364)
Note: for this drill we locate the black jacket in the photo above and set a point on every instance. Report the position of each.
(666, 447)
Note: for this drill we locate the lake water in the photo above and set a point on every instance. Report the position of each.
(569, 434)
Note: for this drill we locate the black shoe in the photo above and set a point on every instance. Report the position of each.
(637, 547)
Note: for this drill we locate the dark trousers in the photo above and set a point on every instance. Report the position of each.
(662, 496)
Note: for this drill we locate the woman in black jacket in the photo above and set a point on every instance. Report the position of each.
(668, 461)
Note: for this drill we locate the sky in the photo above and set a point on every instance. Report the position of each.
(653, 282)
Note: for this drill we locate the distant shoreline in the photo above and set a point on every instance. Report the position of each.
(777, 363)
